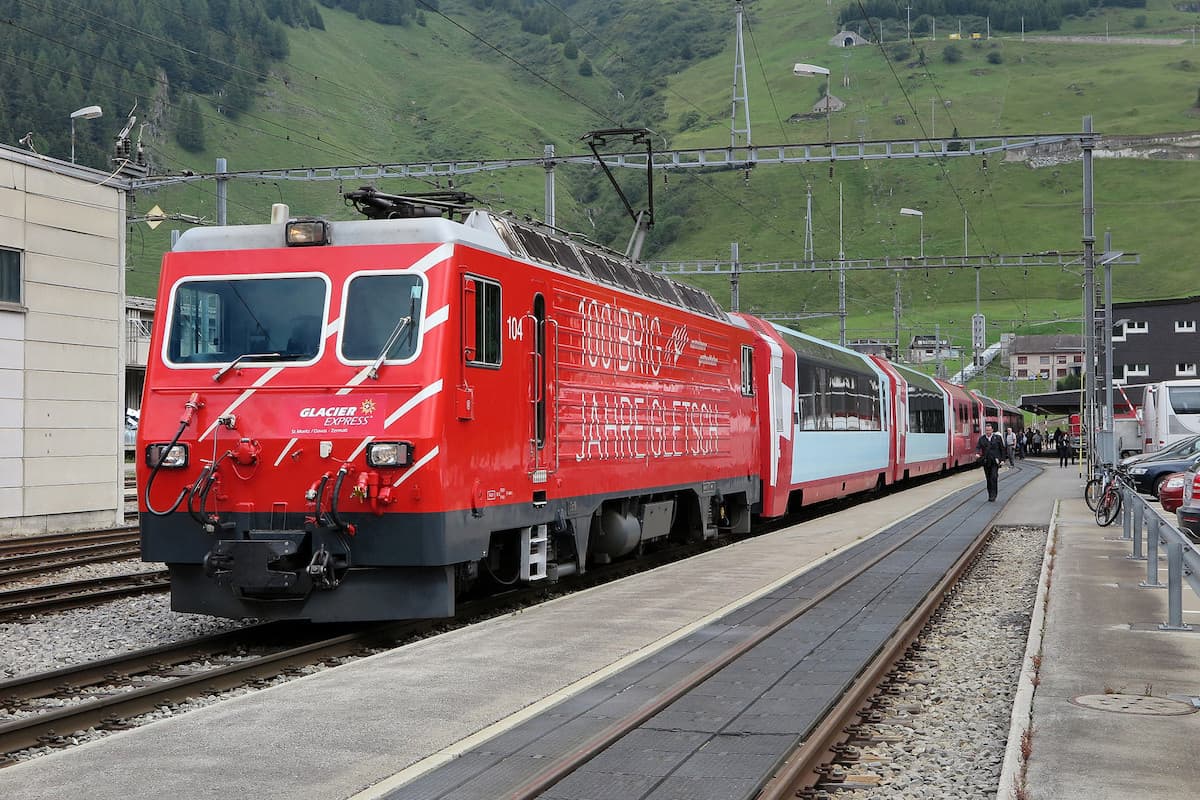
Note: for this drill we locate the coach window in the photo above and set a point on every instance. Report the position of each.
(10, 278)
(481, 318)
(747, 370)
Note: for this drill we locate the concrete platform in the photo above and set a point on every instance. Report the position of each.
(1102, 640)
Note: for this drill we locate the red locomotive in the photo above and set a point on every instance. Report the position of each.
(361, 420)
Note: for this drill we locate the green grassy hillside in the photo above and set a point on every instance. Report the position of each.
(363, 93)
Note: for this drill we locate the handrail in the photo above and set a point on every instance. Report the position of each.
(1183, 557)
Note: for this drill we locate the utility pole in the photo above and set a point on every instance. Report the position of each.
(841, 275)
(550, 200)
(937, 343)
(222, 192)
(808, 234)
(734, 277)
(739, 72)
(896, 314)
(908, 8)
(1088, 413)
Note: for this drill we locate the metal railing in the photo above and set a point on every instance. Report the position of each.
(1139, 519)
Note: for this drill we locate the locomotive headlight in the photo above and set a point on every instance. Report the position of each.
(389, 454)
(303, 232)
(176, 456)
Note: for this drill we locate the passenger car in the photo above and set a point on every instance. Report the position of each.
(1171, 493)
(1148, 476)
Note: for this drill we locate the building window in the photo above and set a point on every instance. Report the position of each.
(1137, 327)
(1137, 370)
(1022, 359)
(1043, 359)
(1061, 359)
(1185, 326)
(10, 276)
(1022, 373)
(1079, 358)
(1185, 370)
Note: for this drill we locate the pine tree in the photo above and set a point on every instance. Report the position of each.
(189, 132)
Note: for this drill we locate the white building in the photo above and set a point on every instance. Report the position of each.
(62, 364)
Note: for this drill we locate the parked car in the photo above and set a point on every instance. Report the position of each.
(1188, 512)
(1149, 476)
(1171, 493)
(1182, 447)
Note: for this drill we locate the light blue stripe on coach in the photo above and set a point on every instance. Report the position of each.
(925, 446)
(825, 454)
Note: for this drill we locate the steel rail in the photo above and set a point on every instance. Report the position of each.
(108, 711)
(28, 544)
(73, 594)
(36, 565)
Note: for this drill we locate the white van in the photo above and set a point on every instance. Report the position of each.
(1170, 412)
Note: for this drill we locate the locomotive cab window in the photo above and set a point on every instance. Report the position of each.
(220, 320)
(382, 311)
(481, 321)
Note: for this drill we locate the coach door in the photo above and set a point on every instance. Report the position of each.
(543, 384)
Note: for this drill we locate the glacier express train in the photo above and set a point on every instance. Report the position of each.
(361, 420)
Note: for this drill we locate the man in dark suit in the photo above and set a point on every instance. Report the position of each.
(991, 452)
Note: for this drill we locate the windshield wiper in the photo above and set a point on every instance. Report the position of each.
(401, 324)
(243, 357)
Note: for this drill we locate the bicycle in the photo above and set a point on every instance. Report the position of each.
(1108, 506)
(1095, 486)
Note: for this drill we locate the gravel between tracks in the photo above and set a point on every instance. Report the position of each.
(45, 642)
(944, 733)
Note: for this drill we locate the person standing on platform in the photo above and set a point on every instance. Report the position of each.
(1010, 443)
(1064, 451)
(991, 453)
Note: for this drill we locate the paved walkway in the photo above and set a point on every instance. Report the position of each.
(1102, 647)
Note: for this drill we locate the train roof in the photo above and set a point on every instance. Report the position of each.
(919, 378)
(810, 348)
(482, 229)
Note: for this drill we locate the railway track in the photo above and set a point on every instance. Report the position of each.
(107, 694)
(53, 541)
(58, 556)
(780, 649)
(73, 594)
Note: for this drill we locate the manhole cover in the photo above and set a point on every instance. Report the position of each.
(1133, 704)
